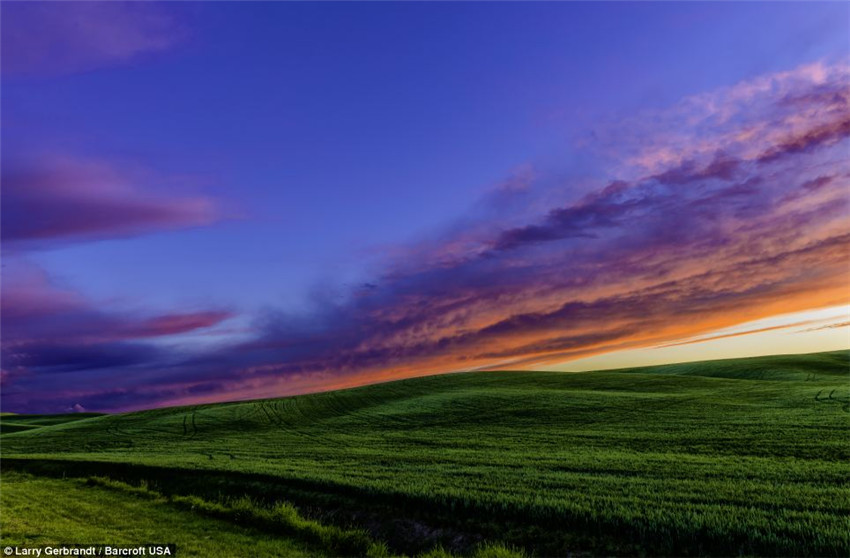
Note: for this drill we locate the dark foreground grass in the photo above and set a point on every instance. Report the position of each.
(728, 457)
(41, 512)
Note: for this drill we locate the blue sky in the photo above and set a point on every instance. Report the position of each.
(333, 129)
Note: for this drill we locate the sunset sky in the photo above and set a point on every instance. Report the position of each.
(208, 201)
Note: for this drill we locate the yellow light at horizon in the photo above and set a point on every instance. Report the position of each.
(824, 329)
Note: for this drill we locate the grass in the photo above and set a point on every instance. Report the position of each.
(42, 511)
(11, 422)
(747, 456)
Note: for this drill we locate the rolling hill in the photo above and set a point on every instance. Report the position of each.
(722, 457)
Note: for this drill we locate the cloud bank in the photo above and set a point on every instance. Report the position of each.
(729, 207)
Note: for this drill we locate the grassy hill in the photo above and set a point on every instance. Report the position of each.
(774, 367)
(11, 422)
(723, 457)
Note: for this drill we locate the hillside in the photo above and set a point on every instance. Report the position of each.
(749, 455)
(11, 422)
(773, 367)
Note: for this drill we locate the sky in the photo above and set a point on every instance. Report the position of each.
(211, 201)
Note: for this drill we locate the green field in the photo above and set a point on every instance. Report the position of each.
(43, 511)
(10, 422)
(747, 456)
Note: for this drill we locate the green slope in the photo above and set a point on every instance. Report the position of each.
(775, 367)
(11, 422)
(718, 457)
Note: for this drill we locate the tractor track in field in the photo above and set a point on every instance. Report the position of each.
(277, 418)
(830, 399)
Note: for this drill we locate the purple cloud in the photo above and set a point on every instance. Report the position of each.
(61, 199)
(34, 310)
(58, 38)
(49, 331)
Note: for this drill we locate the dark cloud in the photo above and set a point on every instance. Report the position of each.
(49, 358)
(48, 331)
(58, 199)
(722, 167)
(824, 135)
(828, 326)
